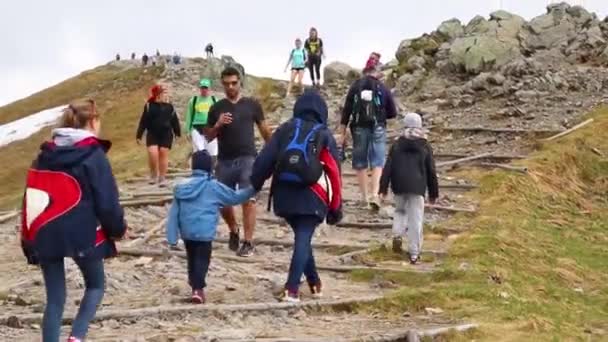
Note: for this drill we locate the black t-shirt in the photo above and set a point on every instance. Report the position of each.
(236, 139)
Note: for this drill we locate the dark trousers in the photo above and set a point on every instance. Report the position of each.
(302, 260)
(314, 65)
(199, 257)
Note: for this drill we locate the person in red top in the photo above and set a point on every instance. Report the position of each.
(71, 210)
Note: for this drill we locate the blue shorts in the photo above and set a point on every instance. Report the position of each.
(369, 147)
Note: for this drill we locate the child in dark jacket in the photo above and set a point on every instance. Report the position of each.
(410, 170)
(71, 209)
(194, 216)
(304, 208)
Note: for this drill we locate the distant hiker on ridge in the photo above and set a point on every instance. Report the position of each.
(133, 55)
(71, 210)
(298, 59)
(117, 57)
(315, 52)
(410, 171)
(209, 50)
(159, 121)
(197, 115)
(368, 106)
(144, 60)
(231, 120)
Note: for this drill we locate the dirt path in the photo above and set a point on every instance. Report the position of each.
(147, 290)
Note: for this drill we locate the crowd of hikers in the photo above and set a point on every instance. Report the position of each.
(71, 205)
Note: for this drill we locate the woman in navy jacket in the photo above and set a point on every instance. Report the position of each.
(71, 209)
(304, 208)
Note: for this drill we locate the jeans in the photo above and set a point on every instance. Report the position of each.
(409, 213)
(54, 281)
(302, 260)
(199, 257)
(369, 147)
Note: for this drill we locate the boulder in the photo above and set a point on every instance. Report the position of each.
(479, 53)
(409, 83)
(416, 63)
(451, 29)
(404, 50)
(425, 45)
(594, 37)
(604, 56)
(477, 25)
(340, 72)
(552, 30)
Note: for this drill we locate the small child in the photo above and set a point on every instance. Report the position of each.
(410, 170)
(194, 217)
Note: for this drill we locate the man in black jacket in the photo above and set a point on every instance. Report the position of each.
(410, 170)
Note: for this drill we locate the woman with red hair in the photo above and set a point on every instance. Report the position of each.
(159, 121)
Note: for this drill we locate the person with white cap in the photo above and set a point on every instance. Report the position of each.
(410, 171)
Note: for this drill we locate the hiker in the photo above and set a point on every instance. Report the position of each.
(118, 57)
(133, 55)
(410, 171)
(71, 210)
(315, 52)
(368, 106)
(176, 59)
(144, 60)
(305, 192)
(209, 50)
(161, 124)
(297, 59)
(157, 54)
(197, 114)
(231, 121)
(194, 217)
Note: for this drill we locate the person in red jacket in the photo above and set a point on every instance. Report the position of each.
(71, 210)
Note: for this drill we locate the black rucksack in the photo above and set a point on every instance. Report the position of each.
(298, 161)
(368, 113)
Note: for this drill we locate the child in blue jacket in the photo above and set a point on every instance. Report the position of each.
(194, 216)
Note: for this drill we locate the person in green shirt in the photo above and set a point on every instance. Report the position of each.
(196, 119)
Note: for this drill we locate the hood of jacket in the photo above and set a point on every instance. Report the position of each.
(192, 187)
(411, 144)
(311, 107)
(69, 147)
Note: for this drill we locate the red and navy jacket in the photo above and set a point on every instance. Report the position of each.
(323, 199)
(71, 206)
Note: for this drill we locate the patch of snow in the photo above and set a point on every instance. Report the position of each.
(25, 127)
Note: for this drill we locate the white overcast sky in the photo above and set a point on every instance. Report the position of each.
(44, 42)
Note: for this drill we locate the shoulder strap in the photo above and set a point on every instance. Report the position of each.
(213, 99)
(193, 111)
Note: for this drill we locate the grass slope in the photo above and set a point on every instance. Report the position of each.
(536, 254)
(120, 94)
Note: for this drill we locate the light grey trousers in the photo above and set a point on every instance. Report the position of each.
(409, 217)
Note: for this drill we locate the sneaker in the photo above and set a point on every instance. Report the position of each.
(152, 180)
(74, 339)
(246, 250)
(290, 297)
(234, 241)
(198, 297)
(374, 203)
(414, 260)
(397, 245)
(162, 182)
(315, 290)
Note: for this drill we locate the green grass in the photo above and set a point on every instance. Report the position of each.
(537, 250)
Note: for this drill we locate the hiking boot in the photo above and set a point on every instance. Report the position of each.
(290, 297)
(74, 339)
(198, 297)
(246, 250)
(234, 241)
(397, 245)
(315, 290)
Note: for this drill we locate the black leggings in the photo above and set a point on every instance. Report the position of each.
(314, 65)
(199, 257)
